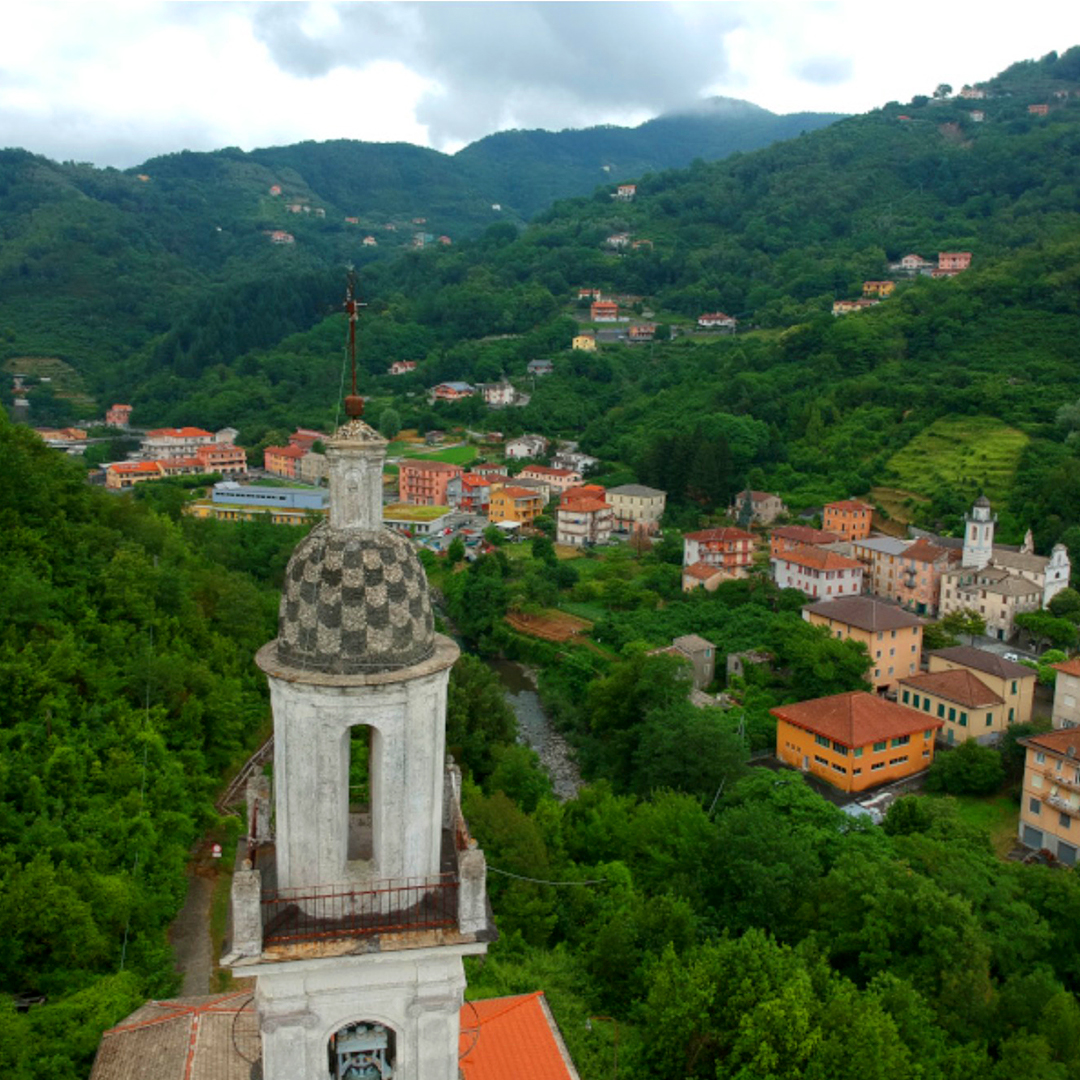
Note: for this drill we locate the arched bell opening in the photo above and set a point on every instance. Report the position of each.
(362, 745)
(364, 1050)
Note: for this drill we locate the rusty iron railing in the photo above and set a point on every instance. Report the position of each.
(337, 911)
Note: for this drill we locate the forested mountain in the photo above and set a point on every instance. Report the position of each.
(95, 262)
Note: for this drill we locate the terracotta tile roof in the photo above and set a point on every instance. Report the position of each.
(1057, 742)
(583, 504)
(848, 504)
(855, 719)
(286, 451)
(805, 555)
(803, 534)
(981, 660)
(131, 467)
(597, 491)
(1069, 667)
(181, 432)
(924, 551)
(513, 1038)
(705, 536)
(756, 496)
(518, 493)
(701, 570)
(958, 685)
(866, 613)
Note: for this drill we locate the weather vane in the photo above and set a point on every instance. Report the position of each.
(354, 403)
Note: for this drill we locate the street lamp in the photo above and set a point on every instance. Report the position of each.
(610, 1020)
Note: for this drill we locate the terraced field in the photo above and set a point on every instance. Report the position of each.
(972, 455)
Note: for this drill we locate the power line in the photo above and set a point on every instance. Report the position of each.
(543, 881)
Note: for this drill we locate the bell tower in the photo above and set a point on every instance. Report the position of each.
(355, 917)
(979, 535)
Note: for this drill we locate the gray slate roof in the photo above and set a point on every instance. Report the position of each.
(636, 489)
(981, 660)
(866, 613)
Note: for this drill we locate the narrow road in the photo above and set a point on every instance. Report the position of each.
(190, 931)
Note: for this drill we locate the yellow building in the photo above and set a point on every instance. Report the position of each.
(586, 342)
(966, 706)
(1013, 683)
(279, 515)
(854, 741)
(1050, 801)
(519, 504)
(892, 636)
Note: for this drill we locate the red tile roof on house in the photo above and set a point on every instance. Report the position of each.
(958, 685)
(180, 432)
(924, 551)
(1069, 667)
(470, 481)
(519, 493)
(547, 470)
(707, 536)
(804, 534)
(756, 496)
(583, 505)
(586, 490)
(1057, 742)
(855, 718)
(130, 468)
(286, 451)
(848, 504)
(512, 1038)
(702, 571)
(804, 555)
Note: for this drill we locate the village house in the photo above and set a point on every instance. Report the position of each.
(785, 537)
(972, 93)
(881, 555)
(641, 331)
(604, 311)
(516, 504)
(280, 236)
(727, 549)
(717, 320)
(275, 189)
(701, 575)
(856, 740)
(402, 367)
(878, 288)
(993, 593)
(445, 241)
(118, 416)
(1067, 694)
(919, 572)
(845, 307)
(644, 242)
(469, 493)
(965, 705)
(584, 342)
(637, 507)
(62, 437)
(1013, 683)
(850, 518)
(126, 474)
(1050, 799)
(539, 367)
(625, 192)
(618, 240)
(590, 294)
(765, 506)
(892, 636)
(423, 483)
(499, 395)
(546, 490)
(353, 221)
(912, 264)
(977, 115)
(953, 262)
(163, 443)
(314, 468)
(283, 461)
(306, 438)
(821, 575)
(574, 460)
(489, 470)
(559, 479)
(1038, 110)
(526, 446)
(452, 391)
(583, 516)
(224, 458)
(700, 654)
(369, 241)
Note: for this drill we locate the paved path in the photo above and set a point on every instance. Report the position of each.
(190, 932)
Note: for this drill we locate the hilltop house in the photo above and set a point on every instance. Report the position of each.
(1038, 110)
(500, 394)
(527, 446)
(584, 342)
(700, 653)
(856, 740)
(878, 288)
(452, 391)
(717, 320)
(118, 416)
(618, 240)
(953, 262)
(765, 507)
(604, 311)
(559, 479)
(126, 474)
(625, 192)
(641, 331)
(701, 575)
(402, 367)
(164, 443)
(540, 367)
(892, 636)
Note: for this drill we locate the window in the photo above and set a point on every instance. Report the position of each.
(915, 700)
(952, 714)
(1014, 686)
(941, 710)
(877, 765)
(989, 719)
(840, 748)
(856, 772)
(878, 747)
(1063, 820)
(926, 705)
(901, 740)
(821, 740)
(1040, 757)
(840, 768)
(857, 752)
(963, 719)
(926, 753)
(1034, 806)
(928, 733)
(898, 760)
(820, 760)
(1010, 715)
(906, 697)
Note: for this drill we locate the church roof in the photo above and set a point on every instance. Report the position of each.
(217, 1038)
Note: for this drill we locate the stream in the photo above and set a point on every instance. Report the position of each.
(535, 728)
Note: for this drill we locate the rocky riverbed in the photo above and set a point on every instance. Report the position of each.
(535, 728)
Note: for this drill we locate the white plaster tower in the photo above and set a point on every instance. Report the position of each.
(979, 535)
(355, 921)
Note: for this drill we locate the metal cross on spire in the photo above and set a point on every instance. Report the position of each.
(354, 403)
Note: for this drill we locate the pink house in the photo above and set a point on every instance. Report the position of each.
(954, 260)
(402, 367)
(424, 483)
(728, 549)
(918, 575)
(560, 479)
(118, 416)
(604, 311)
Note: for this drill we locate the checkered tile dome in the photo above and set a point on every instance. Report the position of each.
(355, 602)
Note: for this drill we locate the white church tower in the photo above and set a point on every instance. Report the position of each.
(979, 535)
(355, 920)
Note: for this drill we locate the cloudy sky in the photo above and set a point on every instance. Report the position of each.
(115, 83)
